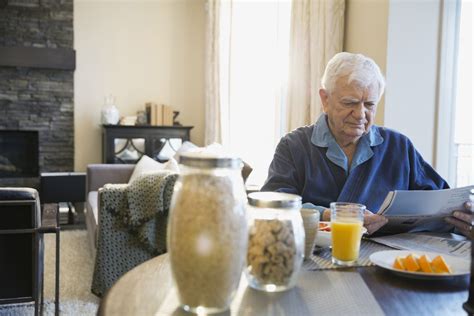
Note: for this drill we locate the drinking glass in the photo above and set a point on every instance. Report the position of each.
(311, 225)
(346, 230)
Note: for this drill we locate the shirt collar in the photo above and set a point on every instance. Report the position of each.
(322, 137)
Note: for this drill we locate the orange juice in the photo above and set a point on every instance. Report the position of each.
(346, 237)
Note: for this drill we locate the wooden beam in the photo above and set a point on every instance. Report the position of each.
(50, 58)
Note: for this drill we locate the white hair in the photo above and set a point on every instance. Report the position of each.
(359, 68)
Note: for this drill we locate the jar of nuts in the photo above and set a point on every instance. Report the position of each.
(207, 231)
(276, 241)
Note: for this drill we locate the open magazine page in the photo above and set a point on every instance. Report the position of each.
(443, 243)
(410, 211)
(414, 224)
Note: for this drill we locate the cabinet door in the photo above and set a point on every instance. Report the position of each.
(129, 150)
(165, 148)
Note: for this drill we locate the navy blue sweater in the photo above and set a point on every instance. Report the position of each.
(302, 168)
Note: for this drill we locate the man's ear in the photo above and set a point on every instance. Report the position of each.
(323, 94)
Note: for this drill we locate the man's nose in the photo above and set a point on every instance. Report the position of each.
(359, 111)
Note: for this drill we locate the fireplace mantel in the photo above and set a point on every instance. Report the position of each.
(35, 57)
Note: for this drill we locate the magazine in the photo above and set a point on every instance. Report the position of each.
(419, 210)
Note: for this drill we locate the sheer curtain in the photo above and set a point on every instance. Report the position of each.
(250, 103)
(254, 41)
(213, 118)
(317, 30)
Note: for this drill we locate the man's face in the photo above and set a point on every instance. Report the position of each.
(350, 110)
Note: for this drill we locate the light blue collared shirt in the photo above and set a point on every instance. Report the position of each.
(322, 137)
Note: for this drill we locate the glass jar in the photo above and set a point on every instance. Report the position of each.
(276, 241)
(207, 232)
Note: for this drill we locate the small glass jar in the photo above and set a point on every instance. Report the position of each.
(276, 241)
(207, 232)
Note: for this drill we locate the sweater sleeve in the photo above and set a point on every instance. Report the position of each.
(282, 174)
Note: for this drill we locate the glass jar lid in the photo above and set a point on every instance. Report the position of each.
(207, 160)
(274, 200)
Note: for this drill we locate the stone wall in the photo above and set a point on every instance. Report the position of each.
(39, 99)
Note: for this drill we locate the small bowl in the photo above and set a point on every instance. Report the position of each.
(323, 238)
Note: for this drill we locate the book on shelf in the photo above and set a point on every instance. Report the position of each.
(153, 116)
(167, 115)
(148, 112)
(159, 114)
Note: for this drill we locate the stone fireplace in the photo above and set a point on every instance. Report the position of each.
(37, 64)
(18, 154)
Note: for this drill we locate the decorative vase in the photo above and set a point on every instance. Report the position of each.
(110, 114)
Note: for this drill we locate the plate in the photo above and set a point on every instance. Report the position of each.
(323, 238)
(385, 259)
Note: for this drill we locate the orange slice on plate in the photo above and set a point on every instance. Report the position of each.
(411, 264)
(440, 266)
(424, 263)
(399, 264)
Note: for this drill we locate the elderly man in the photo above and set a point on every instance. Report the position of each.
(343, 156)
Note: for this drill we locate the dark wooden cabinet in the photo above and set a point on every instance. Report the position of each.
(126, 144)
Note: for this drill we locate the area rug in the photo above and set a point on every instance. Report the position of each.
(76, 270)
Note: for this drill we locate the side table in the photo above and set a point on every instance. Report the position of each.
(50, 224)
(67, 187)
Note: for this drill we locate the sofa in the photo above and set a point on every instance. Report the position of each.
(97, 176)
(117, 248)
(100, 174)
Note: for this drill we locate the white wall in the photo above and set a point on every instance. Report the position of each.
(402, 36)
(365, 32)
(139, 51)
(412, 72)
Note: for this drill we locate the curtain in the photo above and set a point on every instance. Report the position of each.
(317, 29)
(254, 43)
(213, 119)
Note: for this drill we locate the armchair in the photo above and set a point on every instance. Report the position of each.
(21, 244)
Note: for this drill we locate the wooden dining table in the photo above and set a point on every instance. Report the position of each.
(142, 291)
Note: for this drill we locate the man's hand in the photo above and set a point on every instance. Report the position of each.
(462, 219)
(372, 222)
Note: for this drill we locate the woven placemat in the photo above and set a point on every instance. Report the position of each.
(321, 258)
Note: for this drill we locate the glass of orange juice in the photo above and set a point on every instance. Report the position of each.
(346, 231)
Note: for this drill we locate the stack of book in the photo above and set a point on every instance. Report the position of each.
(159, 114)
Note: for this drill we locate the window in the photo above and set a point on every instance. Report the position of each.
(455, 132)
(463, 119)
(254, 66)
